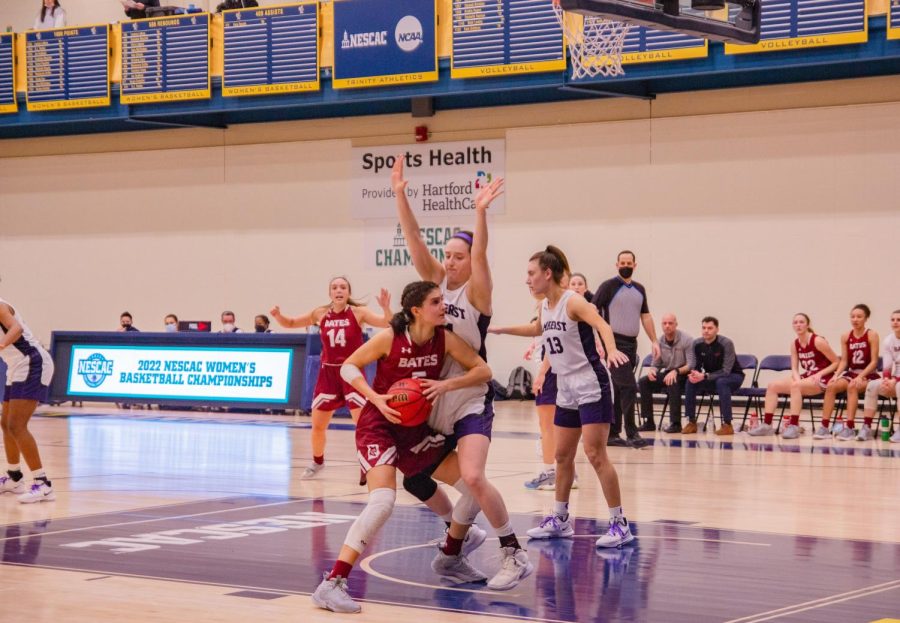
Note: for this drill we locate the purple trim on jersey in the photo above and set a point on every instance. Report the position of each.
(21, 344)
(589, 343)
(547, 395)
(31, 388)
(483, 323)
(600, 412)
(476, 423)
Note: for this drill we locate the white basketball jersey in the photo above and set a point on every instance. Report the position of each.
(471, 325)
(22, 348)
(890, 353)
(570, 344)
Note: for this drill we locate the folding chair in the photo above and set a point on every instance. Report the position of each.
(747, 362)
(755, 394)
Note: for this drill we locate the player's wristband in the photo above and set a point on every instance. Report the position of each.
(350, 373)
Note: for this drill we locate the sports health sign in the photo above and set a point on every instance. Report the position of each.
(384, 42)
(444, 178)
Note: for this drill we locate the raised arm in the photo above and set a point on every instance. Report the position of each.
(383, 320)
(13, 328)
(579, 309)
(480, 284)
(298, 322)
(426, 264)
(477, 371)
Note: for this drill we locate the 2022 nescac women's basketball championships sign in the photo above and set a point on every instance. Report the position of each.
(443, 178)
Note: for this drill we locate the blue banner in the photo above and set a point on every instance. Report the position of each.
(384, 42)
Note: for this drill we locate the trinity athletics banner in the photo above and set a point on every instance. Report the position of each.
(182, 373)
(444, 178)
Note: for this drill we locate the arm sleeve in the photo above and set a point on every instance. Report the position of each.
(692, 356)
(727, 361)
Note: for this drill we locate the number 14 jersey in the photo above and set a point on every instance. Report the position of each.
(341, 336)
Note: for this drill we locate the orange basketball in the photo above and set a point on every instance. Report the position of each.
(407, 397)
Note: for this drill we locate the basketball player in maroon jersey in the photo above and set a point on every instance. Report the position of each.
(813, 363)
(859, 348)
(415, 346)
(341, 329)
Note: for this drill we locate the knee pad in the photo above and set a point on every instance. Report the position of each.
(466, 508)
(374, 516)
(422, 486)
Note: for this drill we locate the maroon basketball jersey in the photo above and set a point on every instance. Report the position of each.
(407, 360)
(341, 335)
(812, 360)
(860, 352)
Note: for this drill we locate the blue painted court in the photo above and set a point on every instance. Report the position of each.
(266, 547)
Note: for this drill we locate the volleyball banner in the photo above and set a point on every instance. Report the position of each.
(181, 373)
(444, 178)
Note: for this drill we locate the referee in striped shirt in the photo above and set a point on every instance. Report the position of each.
(623, 304)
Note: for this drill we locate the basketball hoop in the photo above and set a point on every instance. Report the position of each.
(595, 50)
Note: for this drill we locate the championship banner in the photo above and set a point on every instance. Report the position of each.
(444, 178)
(385, 247)
(381, 43)
(181, 373)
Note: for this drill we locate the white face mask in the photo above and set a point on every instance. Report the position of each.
(228, 328)
(171, 327)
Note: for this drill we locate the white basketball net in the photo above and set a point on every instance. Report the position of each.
(596, 49)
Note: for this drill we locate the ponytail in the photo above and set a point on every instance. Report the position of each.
(414, 295)
(554, 259)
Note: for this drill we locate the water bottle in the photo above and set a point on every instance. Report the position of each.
(885, 429)
(754, 420)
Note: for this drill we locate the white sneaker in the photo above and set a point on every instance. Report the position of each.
(332, 595)
(762, 430)
(8, 485)
(865, 433)
(619, 534)
(457, 569)
(846, 434)
(552, 527)
(311, 471)
(895, 438)
(791, 431)
(822, 432)
(545, 481)
(38, 492)
(514, 568)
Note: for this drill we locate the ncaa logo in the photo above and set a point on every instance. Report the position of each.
(408, 33)
(95, 369)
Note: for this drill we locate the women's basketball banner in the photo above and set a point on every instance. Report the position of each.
(444, 178)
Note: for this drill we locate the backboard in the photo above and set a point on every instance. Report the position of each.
(732, 21)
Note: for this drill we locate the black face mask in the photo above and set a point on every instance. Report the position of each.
(260, 328)
(625, 272)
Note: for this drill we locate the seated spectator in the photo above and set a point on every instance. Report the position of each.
(668, 373)
(236, 4)
(713, 367)
(171, 321)
(126, 322)
(228, 323)
(859, 358)
(889, 383)
(261, 323)
(51, 16)
(813, 363)
(138, 10)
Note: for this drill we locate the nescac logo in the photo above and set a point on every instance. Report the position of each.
(95, 369)
(363, 40)
(408, 33)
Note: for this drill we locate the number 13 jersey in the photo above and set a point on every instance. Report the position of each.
(341, 336)
(570, 344)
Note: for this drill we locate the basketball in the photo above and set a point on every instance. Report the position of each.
(408, 398)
